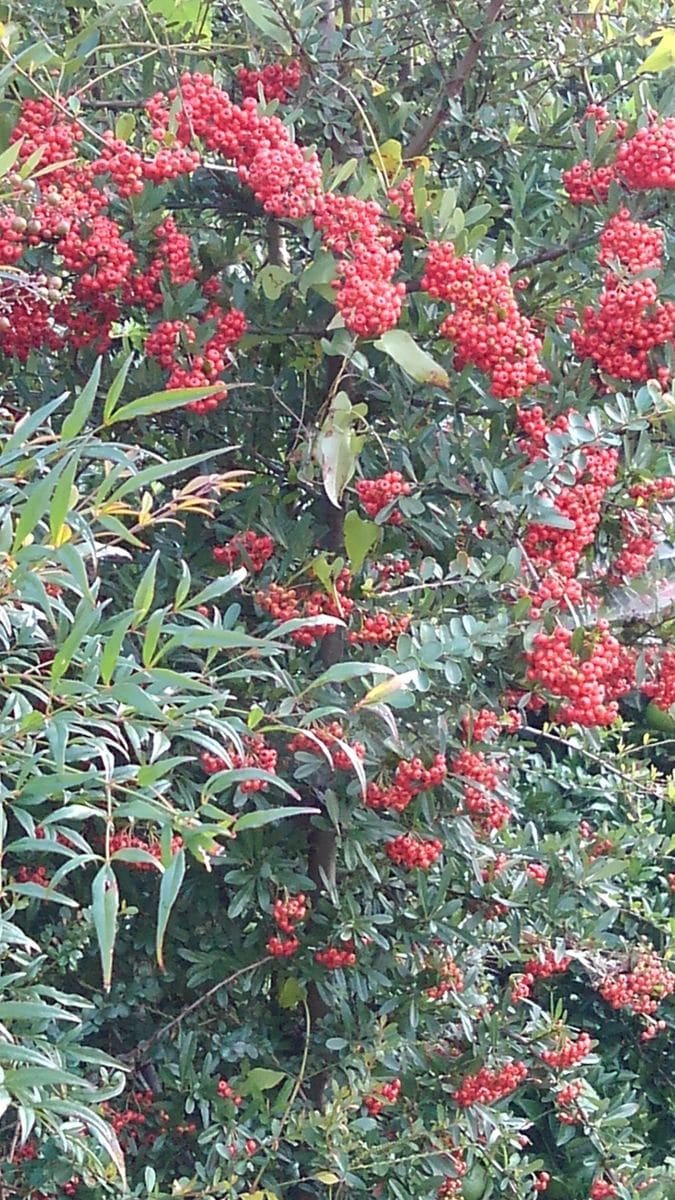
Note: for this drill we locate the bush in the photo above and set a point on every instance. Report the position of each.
(337, 688)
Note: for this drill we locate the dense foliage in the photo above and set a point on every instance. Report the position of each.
(337, 684)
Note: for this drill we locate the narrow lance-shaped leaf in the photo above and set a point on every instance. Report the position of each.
(159, 402)
(170, 886)
(104, 909)
(83, 405)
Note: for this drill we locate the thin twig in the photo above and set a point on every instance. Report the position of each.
(142, 1047)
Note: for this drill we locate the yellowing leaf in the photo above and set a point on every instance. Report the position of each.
(377, 88)
(327, 1177)
(663, 56)
(420, 161)
(64, 535)
(414, 361)
(382, 691)
(389, 156)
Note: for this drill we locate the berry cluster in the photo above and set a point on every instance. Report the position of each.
(379, 629)
(481, 777)
(638, 530)
(541, 1181)
(647, 160)
(280, 947)
(634, 245)
(450, 979)
(653, 490)
(585, 685)
(377, 494)
(403, 197)
(391, 569)
(602, 1189)
(625, 329)
(452, 1184)
(330, 736)
(385, 1093)
(124, 840)
(641, 988)
(569, 1053)
(283, 604)
(486, 325)
(289, 913)
(566, 1102)
(227, 1092)
(257, 756)
(277, 80)
(486, 1086)
(410, 779)
(586, 184)
(335, 958)
(413, 853)
(252, 549)
(661, 690)
(37, 875)
(537, 872)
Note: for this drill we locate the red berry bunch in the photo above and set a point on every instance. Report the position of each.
(414, 777)
(329, 736)
(569, 1052)
(450, 979)
(277, 80)
(369, 302)
(602, 120)
(661, 690)
(379, 629)
(628, 324)
(376, 494)
(481, 777)
(452, 1184)
(653, 490)
(227, 1092)
(282, 604)
(345, 221)
(541, 1181)
(289, 913)
(124, 840)
(122, 164)
(402, 196)
(537, 872)
(280, 947)
(413, 853)
(480, 726)
(391, 569)
(586, 184)
(252, 549)
(641, 988)
(486, 1086)
(634, 245)
(647, 160)
(639, 547)
(335, 958)
(586, 685)
(486, 325)
(45, 125)
(33, 875)
(566, 1101)
(385, 1093)
(601, 1189)
(163, 342)
(257, 755)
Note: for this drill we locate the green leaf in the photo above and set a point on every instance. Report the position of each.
(125, 126)
(343, 173)
(61, 500)
(83, 405)
(160, 402)
(38, 498)
(415, 362)
(291, 993)
(219, 587)
(255, 820)
(260, 1079)
(144, 594)
(263, 15)
(116, 387)
(662, 58)
(9, 157)
(113, 646)
(85, 617)
(361, 537)
(273, 279)
(104, 909)
(172, 880)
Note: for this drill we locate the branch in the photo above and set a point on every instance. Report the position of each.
(551, 253)
(134, 1055)
(455, 86)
